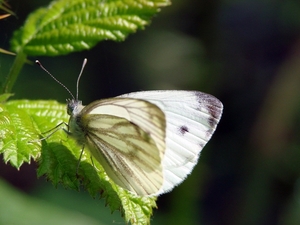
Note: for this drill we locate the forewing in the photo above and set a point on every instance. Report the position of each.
(191, 118)
(127, 137)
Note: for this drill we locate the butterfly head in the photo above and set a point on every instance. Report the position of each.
(74, 106)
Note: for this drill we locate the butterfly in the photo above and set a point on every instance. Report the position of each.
(148, 141)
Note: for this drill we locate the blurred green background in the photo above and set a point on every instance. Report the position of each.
(246, 53)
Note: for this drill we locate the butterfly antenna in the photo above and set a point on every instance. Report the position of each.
(43, 68)
(79, 76)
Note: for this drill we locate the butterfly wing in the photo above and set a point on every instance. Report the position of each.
(191, 119)
(127, 137)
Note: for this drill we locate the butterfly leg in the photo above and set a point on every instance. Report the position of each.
(51, 132)
(78, 164)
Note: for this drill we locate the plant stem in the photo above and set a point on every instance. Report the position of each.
(14, 72)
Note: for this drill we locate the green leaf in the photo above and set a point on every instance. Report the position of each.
(67, 26)
(21, 125)
(16, 129)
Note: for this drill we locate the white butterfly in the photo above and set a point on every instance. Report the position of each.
(147, 142)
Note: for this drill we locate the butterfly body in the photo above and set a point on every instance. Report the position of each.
(147, 142)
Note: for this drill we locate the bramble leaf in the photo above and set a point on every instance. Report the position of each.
(67, 26)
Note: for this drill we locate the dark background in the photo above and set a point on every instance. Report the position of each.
(246, 53)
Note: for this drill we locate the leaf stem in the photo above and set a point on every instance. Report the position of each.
(14, 72)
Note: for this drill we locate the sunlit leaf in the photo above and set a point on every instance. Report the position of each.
(67, 26)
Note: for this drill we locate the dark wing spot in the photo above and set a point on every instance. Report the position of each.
(211, 104)
(212, 122)
(183, 129)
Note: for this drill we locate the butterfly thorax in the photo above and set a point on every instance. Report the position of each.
(76, 130)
